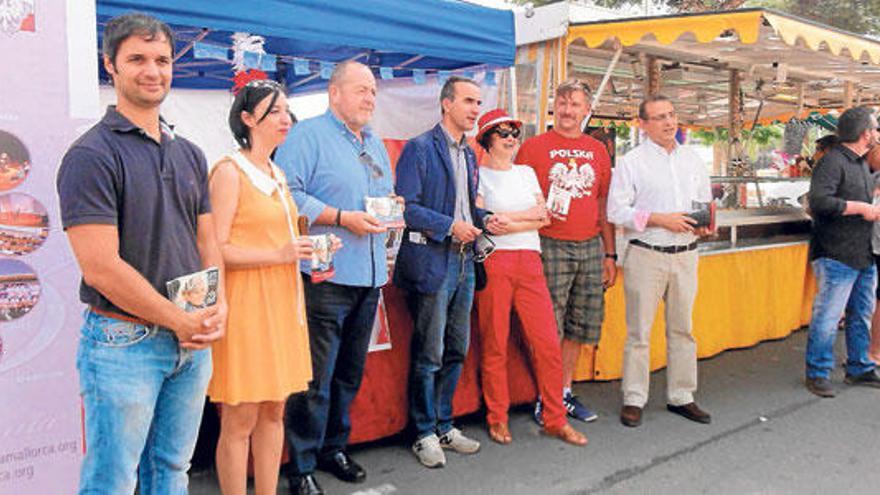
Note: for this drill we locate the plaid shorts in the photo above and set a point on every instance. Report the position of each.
(574, 276)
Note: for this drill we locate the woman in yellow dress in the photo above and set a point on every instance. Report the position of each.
(264, 356)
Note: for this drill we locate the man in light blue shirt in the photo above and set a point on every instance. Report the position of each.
(332, 163)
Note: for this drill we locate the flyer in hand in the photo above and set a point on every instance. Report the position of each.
(322, 257)
(387, 210)
(392, 246)
(195, 291)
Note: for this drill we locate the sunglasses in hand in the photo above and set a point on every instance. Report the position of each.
(484, 247)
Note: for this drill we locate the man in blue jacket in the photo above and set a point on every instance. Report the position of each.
(437, 176)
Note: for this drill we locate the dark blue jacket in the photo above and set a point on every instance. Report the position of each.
(426, 180)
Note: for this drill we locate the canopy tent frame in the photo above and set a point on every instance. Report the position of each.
(434, 36)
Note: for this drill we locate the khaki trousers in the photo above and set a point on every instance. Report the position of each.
(649, 276)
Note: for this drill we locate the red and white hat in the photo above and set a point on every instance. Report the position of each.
(493, 118)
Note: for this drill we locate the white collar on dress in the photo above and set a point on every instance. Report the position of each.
(265, 183)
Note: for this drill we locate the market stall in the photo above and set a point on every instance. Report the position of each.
(732, 70)
(777, 276)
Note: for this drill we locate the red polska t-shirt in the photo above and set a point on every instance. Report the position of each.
(575, 175)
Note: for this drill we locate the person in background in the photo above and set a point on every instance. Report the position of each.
(577, 247)
(841, 201)
(134, 203)
(823, 145)
(653, 188)
(333, 161)
(515, 280)
(264, 357)
(437, 176)
(873, 159)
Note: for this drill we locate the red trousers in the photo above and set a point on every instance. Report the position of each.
(516, 281)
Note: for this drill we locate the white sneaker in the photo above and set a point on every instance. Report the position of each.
(428, 451)
(454, 439)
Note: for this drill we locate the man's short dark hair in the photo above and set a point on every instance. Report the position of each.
(447, 92)
(122, 27)
(643, 106)
(853, 122)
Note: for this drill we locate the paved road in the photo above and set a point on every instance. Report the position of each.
(768, 436)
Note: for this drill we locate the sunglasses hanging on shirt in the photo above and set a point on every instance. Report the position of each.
(370, 162)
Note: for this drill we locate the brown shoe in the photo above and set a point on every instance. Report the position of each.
(499, 432)
(567, 434)
(631, 416)
(691, 411)
(821, 387)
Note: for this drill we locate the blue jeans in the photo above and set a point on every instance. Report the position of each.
(340, 323)
(841, 287)
(441, 333)
(143, 397)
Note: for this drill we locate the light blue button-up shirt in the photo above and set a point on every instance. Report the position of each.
(321, 160)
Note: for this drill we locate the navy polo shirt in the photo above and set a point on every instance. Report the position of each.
(115, 174)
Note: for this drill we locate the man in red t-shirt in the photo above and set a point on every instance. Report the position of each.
(575, 173)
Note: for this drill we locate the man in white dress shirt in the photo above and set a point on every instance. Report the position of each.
(652, 189)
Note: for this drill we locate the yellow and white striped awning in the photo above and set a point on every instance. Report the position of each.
(748, 24)
(787, 62)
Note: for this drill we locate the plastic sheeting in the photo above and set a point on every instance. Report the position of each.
(425, 34)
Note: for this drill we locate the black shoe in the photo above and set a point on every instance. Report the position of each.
(305, 484)
(691, 412)
(821, 387)
(343, 467)
(869, 379)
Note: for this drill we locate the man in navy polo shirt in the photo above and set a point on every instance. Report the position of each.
(134, 203)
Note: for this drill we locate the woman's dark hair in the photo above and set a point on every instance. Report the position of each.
(826, 142)
(247, 100)
(485, 140)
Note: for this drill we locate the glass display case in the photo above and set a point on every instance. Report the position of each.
(759, 212)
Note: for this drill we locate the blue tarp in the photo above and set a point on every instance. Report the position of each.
(438, 34)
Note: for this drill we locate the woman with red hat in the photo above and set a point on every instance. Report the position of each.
(516, 280)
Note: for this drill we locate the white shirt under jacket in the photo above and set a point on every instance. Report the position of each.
(648, 180)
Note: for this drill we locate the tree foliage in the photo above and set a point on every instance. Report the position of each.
(678, 5)
(858, 16)
(761, 135)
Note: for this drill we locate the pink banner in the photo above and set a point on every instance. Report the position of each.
(40, 414)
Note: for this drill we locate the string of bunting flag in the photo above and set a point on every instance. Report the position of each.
(247, 53)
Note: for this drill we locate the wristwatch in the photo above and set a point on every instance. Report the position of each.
(611, 255)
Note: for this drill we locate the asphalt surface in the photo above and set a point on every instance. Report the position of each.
(768, 436)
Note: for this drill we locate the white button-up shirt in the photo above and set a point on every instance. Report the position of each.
(648, 180)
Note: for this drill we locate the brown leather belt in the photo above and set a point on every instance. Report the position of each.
(665, 249)
(459, 247)
(118, 316)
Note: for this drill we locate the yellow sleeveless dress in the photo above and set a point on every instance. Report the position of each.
(264, 355)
